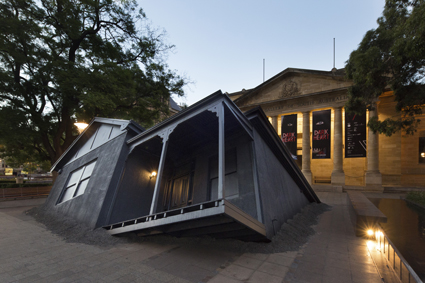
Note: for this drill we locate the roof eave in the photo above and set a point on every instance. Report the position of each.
(207, 100)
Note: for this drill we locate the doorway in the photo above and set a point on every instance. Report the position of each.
(179, 188)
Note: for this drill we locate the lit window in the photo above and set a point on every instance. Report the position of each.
(77, 182)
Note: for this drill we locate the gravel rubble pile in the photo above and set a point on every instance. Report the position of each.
(293, 234)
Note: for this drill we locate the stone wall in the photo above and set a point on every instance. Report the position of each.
(389, 147)
(413, 172)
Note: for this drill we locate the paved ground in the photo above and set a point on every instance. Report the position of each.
(334, 254)
(30, 253)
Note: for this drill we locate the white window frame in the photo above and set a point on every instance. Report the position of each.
(75, 188)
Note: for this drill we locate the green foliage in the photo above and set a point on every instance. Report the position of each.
(418, 197)
(33, 167)
(63, 61)
(391, 56)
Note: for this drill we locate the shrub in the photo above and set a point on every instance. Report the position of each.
(418, 197)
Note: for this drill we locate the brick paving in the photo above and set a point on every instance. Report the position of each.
(30, 253)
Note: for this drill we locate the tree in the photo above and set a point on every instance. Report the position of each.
(68, 60)
(391, 56)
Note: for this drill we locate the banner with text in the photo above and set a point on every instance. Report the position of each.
(355, 135)
(289, 133)
(321, 134)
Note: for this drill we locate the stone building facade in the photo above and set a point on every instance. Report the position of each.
(388, 161)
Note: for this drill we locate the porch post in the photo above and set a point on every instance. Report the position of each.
(164, 136)
(306, 147)
(221, 152)
(338, 175)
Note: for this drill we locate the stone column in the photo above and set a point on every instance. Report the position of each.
(274, 123)
(338, 175)
(373, 177)
(306, 147)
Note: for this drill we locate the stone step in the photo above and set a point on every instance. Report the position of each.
(396, 189)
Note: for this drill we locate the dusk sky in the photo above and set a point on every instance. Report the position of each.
(221, 44)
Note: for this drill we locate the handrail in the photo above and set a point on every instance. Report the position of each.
(164, 214)
(391, 254)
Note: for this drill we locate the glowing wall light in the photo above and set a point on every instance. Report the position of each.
(153, 174)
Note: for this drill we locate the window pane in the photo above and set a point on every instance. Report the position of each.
(88, 170)
(230, 160)
(214, 189)
(82, 187)
(75, 177)
(76, 182)
(231, 188)
(69, 192)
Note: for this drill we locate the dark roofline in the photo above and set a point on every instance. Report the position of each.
(124, 124)
(171, 119)
(194, 107)
(287, 71)
(260, 121)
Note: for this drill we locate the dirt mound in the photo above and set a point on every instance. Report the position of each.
(293, 234)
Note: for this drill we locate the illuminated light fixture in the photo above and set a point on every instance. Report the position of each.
(153, 174)
(370, 232)
(422, 154)
(81, 126)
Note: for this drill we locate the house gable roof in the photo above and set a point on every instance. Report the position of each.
(124, 126)
(203, 103)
